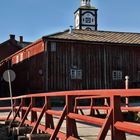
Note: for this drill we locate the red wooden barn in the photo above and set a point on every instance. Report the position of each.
(77, 59)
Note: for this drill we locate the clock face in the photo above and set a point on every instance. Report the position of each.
(88, 19)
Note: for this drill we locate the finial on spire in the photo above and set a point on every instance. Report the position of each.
(85, 3)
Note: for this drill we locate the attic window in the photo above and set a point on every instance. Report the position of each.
(53, 46)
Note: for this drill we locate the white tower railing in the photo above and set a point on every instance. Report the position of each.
(85, 2)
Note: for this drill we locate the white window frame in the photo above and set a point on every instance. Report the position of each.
(117, 75)
(17, 58)
(73, 73)
(29, 54)
(21, 57)
(76, 74)
(53, 46)
(79, 74)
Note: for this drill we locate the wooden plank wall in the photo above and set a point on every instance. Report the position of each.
(31, 71)
(97, 62)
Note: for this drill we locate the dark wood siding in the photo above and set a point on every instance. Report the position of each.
(44, 70)
(97, 62)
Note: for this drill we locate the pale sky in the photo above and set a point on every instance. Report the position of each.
(36, 18)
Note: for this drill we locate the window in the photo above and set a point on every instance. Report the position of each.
(53, 46)
(17, 59)
(76, 74)
(28, 53)
(117, 75)
(79, 74)
(21, 57)
(88, 20)
(73, 74)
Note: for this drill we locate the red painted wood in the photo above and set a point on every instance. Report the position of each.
(92, 120)
(118, 127)
(106, 126)
(56, 130)
(133, 128)
(117, 116)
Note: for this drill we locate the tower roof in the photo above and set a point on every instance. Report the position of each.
(98, 36)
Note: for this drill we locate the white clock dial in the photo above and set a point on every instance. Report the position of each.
(88, 19)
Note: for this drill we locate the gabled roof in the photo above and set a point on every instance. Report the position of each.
(15, 43)
(98, 36)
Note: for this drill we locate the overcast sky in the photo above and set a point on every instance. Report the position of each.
(36, 18)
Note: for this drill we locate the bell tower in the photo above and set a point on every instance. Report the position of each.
(86, 16)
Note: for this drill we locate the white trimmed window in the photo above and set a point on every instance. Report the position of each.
(17, 58)
(73, 73)
(21, 57)
(28, 53)
(53, 46)
(117, 75)
(79, 74)
(76, 74)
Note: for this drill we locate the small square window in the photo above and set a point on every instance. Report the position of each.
(79, 74)
(53, 46)
(117, 75)
(76, 74)
(73, 73)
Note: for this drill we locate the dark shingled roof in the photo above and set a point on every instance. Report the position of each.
(98, 36)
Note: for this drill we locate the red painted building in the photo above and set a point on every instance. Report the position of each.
(79, 59)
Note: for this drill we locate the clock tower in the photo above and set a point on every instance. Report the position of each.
(86, 16)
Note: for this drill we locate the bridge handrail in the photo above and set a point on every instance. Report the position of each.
(113, 117)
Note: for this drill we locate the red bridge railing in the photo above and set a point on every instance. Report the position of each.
(37, 110)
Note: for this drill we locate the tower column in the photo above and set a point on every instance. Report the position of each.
(86, 16)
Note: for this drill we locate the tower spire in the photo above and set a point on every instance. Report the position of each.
(85, 3)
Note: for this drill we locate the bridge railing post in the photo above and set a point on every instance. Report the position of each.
(48, 118)
(92, 103)
(33, 114)
(71, 128)
(22, 110)
(117, 116)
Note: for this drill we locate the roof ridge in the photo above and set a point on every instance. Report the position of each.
(57, 33)
(109, 31)
(119, 32)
